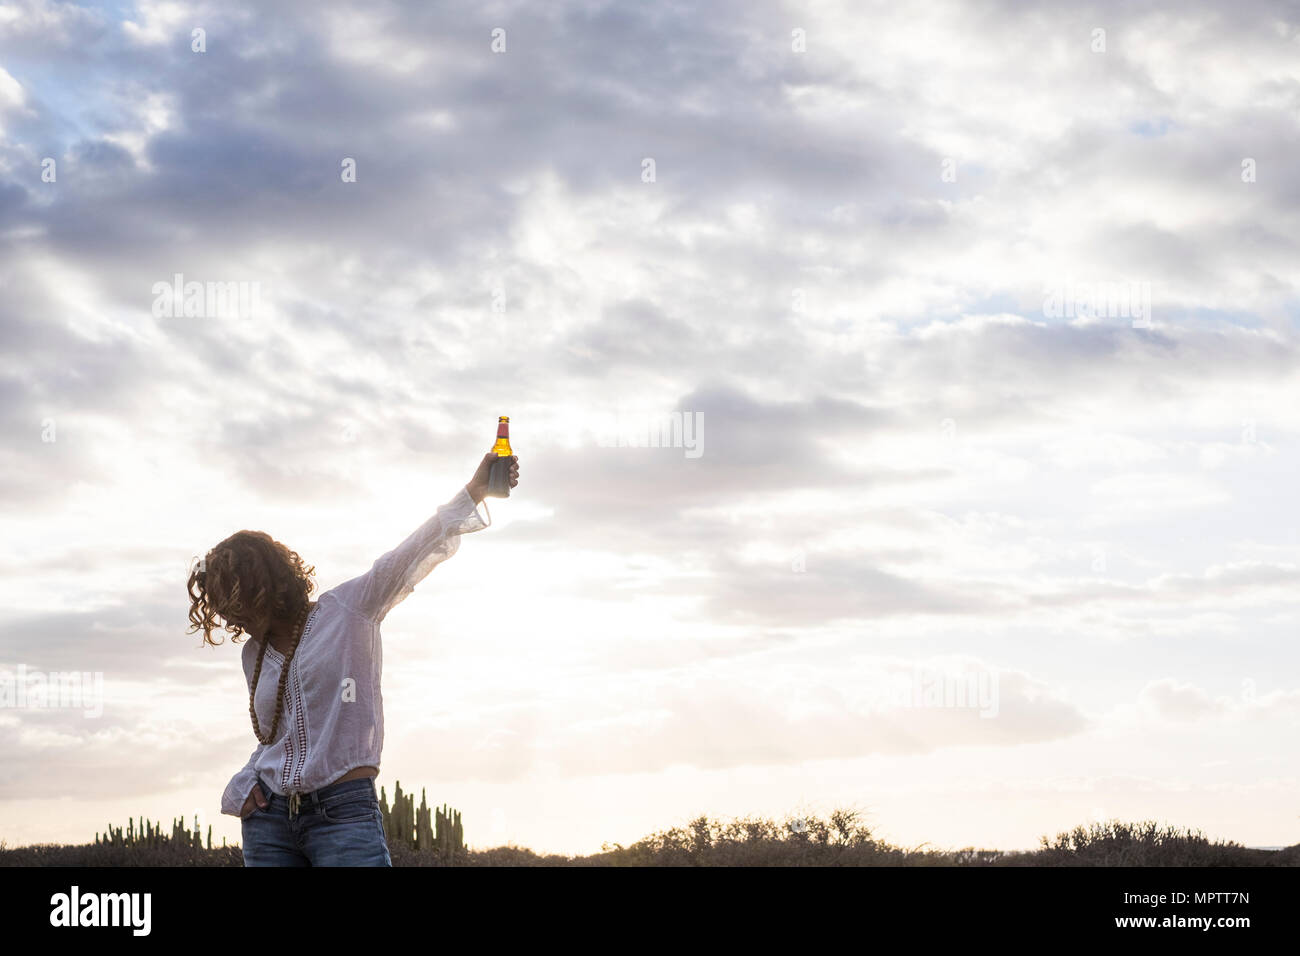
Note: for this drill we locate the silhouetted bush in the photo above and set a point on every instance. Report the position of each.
(842, 840)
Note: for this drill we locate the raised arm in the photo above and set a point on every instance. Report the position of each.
(394, 575)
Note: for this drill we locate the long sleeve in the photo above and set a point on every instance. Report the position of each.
(394, 575)
(240, 786)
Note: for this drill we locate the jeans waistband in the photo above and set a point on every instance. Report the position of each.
(312, 799)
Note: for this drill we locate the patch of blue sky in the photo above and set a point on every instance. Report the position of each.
(1152, 128)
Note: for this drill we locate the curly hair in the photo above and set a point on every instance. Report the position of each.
(250, 576)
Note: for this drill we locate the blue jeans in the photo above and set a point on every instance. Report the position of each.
(338, 825)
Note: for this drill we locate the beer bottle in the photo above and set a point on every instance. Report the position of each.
(499, 472)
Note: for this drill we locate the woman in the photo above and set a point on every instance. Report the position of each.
(307, 795)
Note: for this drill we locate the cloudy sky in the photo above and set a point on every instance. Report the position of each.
(983, 325)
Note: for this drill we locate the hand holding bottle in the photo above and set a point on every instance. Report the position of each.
(478, 485)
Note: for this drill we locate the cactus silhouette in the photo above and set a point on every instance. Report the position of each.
(423, 829)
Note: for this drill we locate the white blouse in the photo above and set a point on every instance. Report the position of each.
(332, 720)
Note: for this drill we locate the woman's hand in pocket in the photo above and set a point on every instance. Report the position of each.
(255, 801)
